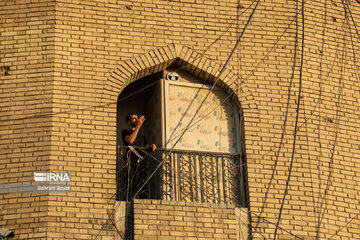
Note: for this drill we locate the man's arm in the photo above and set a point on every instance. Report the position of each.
(132, 137)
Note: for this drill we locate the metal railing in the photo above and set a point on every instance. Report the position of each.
(191, 176)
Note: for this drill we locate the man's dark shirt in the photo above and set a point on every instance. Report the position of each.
(140, 140)
(139, 170)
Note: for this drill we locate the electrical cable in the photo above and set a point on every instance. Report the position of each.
(336, 133)
(77, 110)
(237, 35)
(107, 104)
(323, 82)
(80, 110)
(277, 154)
(89, 108)
(353, 47)
(315, 203)
(356, 29)
(297, 115)
(212, 85)
(310, 166)
(109, 214)
(170, 152)
(328, 73)
(247, 77)
(267, 54)
(287, 231)
(222, 70)
(340, 229)
(128, 156)
(255, 69)
(242, 237)
(204, 84)
(312, 112)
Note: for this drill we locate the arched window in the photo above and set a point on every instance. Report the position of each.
(199, 162)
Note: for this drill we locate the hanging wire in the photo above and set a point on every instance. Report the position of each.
(356, 69)
(247, 77)
(297, 115)
(149, 177)
(317, 210)
(161, 162)
(356, 29)
(340, 229)
(329, 181)
(120, 100)
(110, 214)
(277, 154)
(222, 70)
(287, 231)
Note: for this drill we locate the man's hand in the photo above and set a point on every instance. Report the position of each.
(153, 147)
(140, 121)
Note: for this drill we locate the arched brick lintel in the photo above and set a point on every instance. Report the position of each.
(196, 64)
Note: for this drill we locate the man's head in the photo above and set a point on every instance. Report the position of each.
(132, 119)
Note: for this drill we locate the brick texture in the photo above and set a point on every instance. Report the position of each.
(27, 31)
(155, 219)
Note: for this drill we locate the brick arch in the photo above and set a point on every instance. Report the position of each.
(196, 64)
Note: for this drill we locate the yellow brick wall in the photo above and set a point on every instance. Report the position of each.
(62, 57)
(155, 219)
(27, 52)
